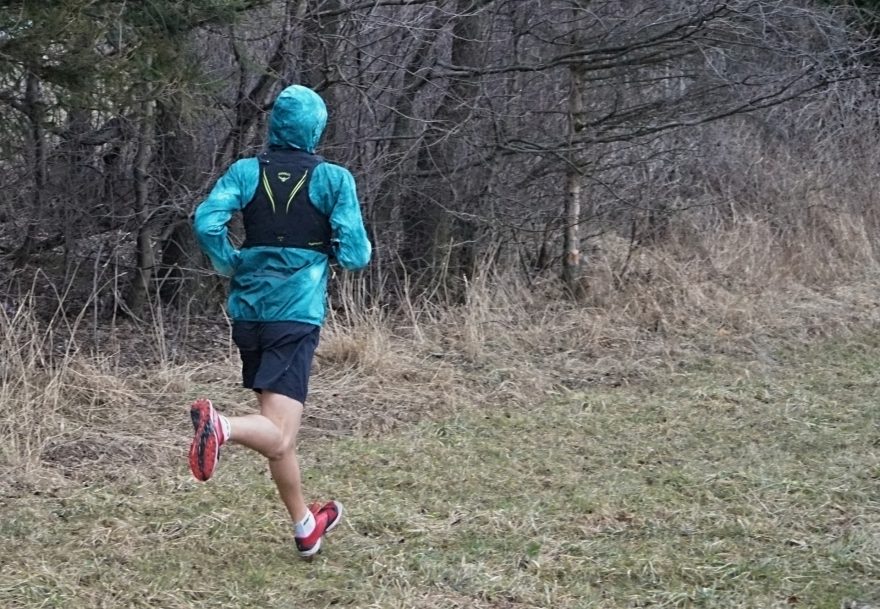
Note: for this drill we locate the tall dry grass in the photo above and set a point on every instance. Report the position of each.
(738, 287)
(77, 403)
(741, 286)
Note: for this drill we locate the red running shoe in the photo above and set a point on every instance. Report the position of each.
(207, 439)
(326, 519)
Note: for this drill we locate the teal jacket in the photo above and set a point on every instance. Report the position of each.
(284, 283)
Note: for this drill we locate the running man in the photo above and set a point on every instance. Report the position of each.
(298, 212)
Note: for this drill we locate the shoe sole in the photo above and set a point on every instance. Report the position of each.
(339, 513)
(205, 449)
(310, 553)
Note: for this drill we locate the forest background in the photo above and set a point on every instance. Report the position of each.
(565, 197)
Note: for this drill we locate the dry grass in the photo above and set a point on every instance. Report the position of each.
(711, 455)
(737, 290)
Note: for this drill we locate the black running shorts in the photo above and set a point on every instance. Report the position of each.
(276, 356)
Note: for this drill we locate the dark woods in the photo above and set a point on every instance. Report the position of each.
(488, 137)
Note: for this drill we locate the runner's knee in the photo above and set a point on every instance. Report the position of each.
(285, 445)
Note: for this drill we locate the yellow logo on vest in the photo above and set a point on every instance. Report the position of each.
(283, 176)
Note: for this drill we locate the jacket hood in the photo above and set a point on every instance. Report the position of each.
(298, 119)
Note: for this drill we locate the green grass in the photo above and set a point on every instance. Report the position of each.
(724, 484)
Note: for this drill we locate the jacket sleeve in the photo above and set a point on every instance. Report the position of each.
(230, 194)
(332, 189)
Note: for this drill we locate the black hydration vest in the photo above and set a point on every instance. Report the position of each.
(281, 213)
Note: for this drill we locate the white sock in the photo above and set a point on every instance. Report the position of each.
(227, 428)
(305, 527)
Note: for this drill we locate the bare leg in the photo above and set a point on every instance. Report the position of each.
(273, 434)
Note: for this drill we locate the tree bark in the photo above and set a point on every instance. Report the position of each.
(571, 258)
(433, 240)
(139, 291)
(33, 109)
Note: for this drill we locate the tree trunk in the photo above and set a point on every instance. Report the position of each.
(33, 108)
(139, 290)
(571, 258)
(434, 239)
(175, 151)
(398, 157)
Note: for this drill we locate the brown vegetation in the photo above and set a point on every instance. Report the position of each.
(71, 396)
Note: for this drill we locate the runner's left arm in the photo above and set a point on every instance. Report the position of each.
(230, 194)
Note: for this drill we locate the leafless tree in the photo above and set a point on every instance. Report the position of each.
(482, 132)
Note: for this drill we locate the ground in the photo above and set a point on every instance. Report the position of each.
(722, 481)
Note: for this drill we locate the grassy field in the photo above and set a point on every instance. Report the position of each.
(723, 483)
